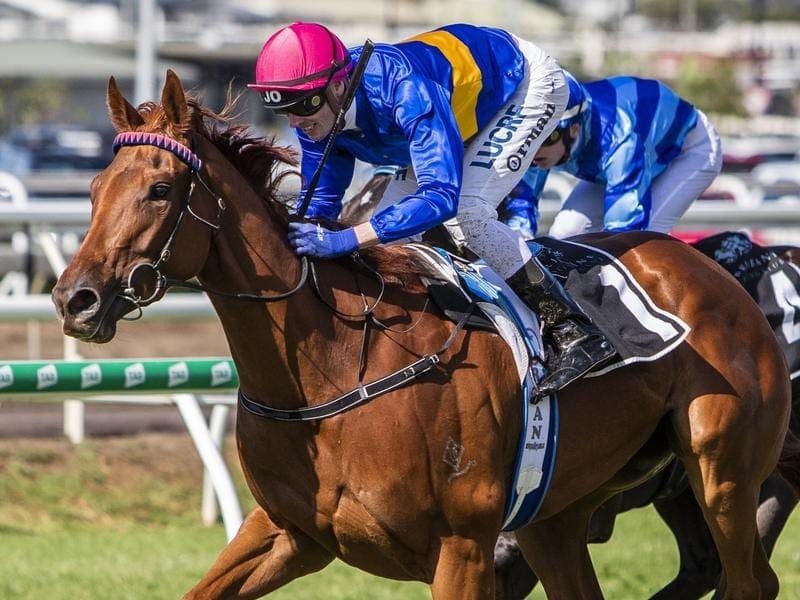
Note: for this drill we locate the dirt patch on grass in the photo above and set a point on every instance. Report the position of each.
(151, 478)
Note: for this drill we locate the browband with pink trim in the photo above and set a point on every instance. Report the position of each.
(135, 138)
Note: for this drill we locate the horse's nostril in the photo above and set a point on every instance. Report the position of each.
(84, 300)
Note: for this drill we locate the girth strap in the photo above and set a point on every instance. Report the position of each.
(351, 399)
(363, 393)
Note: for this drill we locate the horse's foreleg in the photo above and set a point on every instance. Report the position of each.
(260, 558)
(463, 571)
(556, 548)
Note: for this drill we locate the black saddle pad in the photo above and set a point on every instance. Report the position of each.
(605, 290)
(771, 280)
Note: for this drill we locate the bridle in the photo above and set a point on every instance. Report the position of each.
(364, 392)
(195, 164)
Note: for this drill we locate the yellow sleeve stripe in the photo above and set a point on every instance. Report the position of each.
(467, 78)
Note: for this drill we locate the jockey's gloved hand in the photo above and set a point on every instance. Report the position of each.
(309, 239)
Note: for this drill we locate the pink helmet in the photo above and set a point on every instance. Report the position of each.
(298, 61)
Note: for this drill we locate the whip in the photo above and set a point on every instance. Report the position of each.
(349, 94)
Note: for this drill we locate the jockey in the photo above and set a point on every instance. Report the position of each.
(641, 154)
(461, 109)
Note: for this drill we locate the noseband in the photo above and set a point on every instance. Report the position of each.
(190, 159)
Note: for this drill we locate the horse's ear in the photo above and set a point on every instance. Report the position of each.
(124, 117)
(173, 101)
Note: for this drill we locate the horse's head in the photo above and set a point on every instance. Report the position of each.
(149, 202)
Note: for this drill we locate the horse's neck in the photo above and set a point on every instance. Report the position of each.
(250, 255)
(249, 252)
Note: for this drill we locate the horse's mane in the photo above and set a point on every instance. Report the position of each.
(258, 158)
(400, 265)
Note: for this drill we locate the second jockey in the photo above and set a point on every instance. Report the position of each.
(641, 154)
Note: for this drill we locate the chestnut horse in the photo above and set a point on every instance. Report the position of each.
(668, 491)
(413, 484)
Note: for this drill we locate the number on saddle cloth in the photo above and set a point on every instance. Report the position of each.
(770, 279)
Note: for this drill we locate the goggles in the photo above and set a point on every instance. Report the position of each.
(302, 104)
(555, 136)
(302, 108)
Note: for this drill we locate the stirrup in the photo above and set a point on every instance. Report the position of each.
(573, 363)
(567, 334)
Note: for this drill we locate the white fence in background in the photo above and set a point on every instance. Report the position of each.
(51, 229)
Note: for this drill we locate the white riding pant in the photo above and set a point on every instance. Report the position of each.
(495, 159)
(673, 191)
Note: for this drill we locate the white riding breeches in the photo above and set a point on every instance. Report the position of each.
(495, 159)
(673, 191)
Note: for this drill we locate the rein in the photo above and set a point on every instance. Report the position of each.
(190, 159)
(363, 392)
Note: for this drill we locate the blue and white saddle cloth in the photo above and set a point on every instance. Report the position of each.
(606, 290)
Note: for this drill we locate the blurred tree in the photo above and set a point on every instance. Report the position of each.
(783, 10)
(44, 100)
(554, 4)
(707, 14)
(38, 101)
(712, 90)
(699, 14)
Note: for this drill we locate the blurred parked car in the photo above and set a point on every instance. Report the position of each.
(54, 147)
(777, 181)
(55, 159)
(757, 169)
(742, 153)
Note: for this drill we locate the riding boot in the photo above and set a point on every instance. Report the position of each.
(578, 345)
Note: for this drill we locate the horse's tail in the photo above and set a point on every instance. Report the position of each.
(789, 461)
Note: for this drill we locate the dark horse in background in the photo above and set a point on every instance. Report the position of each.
(413, 483)
(699, 566)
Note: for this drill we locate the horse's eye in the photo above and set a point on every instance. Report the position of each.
(159, 191)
